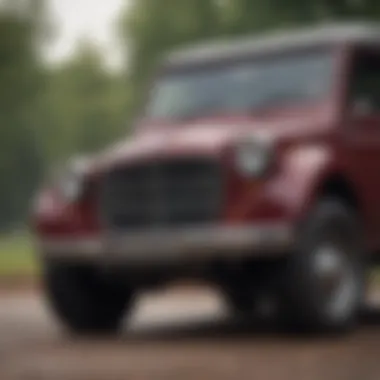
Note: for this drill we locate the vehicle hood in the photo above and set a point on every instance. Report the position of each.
(184, 141)
(209, 138)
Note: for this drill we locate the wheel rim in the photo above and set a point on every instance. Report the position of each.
(336, 281)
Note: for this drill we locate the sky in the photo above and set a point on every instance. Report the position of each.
(93, 19)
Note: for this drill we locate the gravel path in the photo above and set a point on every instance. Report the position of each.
(178, 336)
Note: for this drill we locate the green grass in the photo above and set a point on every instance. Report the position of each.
(16, 256)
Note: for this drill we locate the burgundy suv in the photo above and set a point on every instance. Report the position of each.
(254, 166)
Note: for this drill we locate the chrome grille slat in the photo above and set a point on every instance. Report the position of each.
(162, 194)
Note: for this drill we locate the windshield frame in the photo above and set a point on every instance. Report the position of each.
(168, 70)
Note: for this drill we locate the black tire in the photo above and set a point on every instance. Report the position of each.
(83, 301)
(324, 280)
(245, 292)
(241, 302)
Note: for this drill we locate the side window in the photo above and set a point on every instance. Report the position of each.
(365, 81)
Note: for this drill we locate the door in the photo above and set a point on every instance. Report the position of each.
(362, 133)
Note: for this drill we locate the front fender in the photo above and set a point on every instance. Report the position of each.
(288, 193)
(302, 171)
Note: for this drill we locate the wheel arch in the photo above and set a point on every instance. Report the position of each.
(337, 185)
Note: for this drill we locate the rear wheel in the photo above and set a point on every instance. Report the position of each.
(85, 301)
(324, 279)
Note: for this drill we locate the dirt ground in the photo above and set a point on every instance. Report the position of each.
(178, 335)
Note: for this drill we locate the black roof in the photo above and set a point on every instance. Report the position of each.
(297, 38)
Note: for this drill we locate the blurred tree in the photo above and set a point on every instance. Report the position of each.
(86, 105)
(21, 79)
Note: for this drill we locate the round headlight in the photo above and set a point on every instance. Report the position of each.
(253, 156)
(70, 186)
(70, 183)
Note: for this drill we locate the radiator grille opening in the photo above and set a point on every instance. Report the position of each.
(162, 194)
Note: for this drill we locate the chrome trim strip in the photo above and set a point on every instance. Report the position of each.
(194, 244)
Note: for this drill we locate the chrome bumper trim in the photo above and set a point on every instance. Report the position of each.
(188, 244)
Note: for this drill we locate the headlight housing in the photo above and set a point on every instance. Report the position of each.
(70, 181)
(253, 155)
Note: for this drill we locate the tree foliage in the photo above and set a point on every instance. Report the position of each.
(20, 78)
(85, 104)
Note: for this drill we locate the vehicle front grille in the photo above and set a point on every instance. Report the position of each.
(162, 194)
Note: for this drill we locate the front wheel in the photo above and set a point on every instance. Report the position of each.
(324, 279)
(84, 301)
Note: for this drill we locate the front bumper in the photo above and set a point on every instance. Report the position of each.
(206, 243)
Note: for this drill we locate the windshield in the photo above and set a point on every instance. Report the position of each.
(242, 87)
